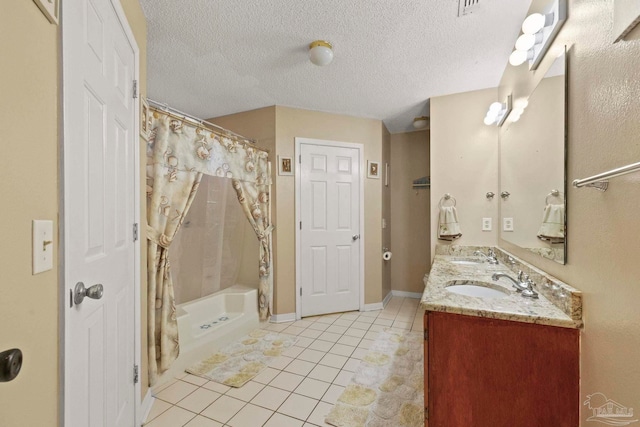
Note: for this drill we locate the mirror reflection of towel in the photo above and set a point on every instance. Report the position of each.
(552, 228)
(448, 226)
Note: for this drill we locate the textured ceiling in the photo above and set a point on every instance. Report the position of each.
(215, 57)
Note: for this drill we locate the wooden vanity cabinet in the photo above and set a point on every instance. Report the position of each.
(482, 372)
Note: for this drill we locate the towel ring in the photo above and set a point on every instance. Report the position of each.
(445, 198)
(553, 193)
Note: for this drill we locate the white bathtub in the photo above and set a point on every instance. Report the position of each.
(207, 324)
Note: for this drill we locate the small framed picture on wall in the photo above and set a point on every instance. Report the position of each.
(285, 165)
(373, 169)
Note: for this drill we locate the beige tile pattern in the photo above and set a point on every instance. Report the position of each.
(299, 388)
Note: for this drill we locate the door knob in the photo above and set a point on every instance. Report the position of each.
(80, 292)
(355, 237)
(10, 364)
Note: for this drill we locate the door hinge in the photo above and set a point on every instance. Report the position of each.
(300, 225)
(426, 413)
(135, 89)
(300, 158)
(300, 291)
(136, 375)
(135, 231)
(426, 335)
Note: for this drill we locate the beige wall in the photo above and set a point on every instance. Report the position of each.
(464, 163)
(386, 210)
(276, 128)
(292, 123)
(410, 211)
(30, 86)
(604, 107)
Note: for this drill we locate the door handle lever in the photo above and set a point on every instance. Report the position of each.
(355, 237)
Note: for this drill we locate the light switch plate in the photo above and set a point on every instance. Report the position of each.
(42, 246)
(507, 224)
(486, 224)
(384, 223)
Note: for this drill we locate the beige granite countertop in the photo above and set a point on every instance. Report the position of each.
(512, 307)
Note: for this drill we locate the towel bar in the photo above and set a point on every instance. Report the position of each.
(599, 182)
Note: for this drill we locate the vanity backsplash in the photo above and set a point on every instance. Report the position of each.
(563, 296)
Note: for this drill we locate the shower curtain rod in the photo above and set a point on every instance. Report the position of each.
(198, 120)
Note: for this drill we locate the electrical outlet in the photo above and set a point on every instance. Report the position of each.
(507, 224)
(486, 224)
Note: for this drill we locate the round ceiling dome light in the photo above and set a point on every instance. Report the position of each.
(320, 53)
(421, 122)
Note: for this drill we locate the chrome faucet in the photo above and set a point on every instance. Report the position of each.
(524, 284)
(490, 256)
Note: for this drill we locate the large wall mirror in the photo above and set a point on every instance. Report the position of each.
(533, 169)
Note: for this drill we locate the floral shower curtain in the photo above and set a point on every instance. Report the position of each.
(178, 153)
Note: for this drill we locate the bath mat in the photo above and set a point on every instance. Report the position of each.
(387, 388)
(242, 360)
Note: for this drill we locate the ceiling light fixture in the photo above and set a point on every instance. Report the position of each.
(321, 53)
(421, 122)
(539, 30)
(498, 112)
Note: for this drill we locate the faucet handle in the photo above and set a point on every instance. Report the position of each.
(520, 273)
(491, 252)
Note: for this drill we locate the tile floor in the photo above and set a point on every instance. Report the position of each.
(299, 388)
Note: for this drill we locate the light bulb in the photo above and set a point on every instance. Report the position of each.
(525, 42)
(518, 57)
(489, 120)
(320, 53)
(496, 106)
(534, 23)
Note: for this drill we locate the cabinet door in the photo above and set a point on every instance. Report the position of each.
(495, 373)
(426, 368)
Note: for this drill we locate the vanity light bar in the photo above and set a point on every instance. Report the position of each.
(539, 31)
(498, 112)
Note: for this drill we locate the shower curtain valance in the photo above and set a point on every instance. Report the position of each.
(178, 154)
(178, 145)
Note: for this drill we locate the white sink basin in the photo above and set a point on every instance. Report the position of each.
(476, 289)
(466, 262)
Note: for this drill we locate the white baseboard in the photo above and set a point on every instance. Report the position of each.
(145, 406)
(372, 307)
(282, 318)
(386, 299)
(416, 295)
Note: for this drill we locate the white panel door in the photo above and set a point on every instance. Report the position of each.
(329, 229)
(99, 201)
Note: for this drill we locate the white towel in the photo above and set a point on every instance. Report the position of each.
(552, 228)
(448, 226)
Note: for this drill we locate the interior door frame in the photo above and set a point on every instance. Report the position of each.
(62, 285)
(338, 144)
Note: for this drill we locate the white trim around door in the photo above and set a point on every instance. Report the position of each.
(338, 144)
